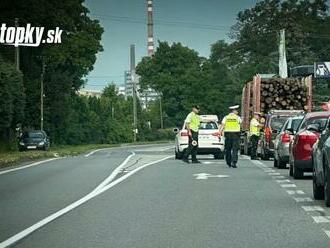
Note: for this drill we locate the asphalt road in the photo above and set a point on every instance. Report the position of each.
(163, 204)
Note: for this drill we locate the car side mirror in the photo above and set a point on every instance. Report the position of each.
(176, 130)
(313, 128)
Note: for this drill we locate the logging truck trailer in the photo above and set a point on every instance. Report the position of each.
(265, 94)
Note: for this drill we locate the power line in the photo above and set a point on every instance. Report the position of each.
(162, 22)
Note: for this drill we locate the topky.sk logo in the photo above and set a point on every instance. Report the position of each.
(29, 36)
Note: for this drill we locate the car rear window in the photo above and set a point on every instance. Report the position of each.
(33, 135)
(320, 120)
(277, 122)
(295, 124)
(208, 126)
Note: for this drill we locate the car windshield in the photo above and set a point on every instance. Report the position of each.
(208, 126)
(277, 123)
(34, 135)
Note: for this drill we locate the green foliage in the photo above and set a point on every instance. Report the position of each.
(12, 99)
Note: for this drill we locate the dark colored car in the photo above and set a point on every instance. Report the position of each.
(301, 147)
(34, 140)
(321, 168)
(273, 124)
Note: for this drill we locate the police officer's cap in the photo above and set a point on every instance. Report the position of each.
(257, 113)
(234, 107)
(195, 106)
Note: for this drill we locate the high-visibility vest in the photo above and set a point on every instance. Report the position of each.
(254, 127)
(195, 122)
(232, 123)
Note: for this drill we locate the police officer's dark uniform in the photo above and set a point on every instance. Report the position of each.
(192, 124)
(231, 126)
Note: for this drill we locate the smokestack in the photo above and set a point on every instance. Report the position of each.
(150, 28)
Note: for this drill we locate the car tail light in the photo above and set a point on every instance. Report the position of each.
(286, 138)
(268, 134)
(184, 133)
(308, 138)
(217, 134)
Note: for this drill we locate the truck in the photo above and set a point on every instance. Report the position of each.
(267, 94)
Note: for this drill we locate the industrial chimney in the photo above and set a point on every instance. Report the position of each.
(150, 28)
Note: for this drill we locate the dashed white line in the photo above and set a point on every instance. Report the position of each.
(278, 177)
(288, 185)
(303, 199)
(283, 181)
(313, 208)
(274, 174)
(295, 192)
(321, 219)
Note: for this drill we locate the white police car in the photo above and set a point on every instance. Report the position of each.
(209, 139)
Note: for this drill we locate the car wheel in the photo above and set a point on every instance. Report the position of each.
(281, 164)
(327, 187)
(318, 191)
(291, 170)
(178, 155)
(297, 173)
(219, 155)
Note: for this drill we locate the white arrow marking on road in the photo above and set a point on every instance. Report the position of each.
(312, 208)
(321, 219)
(327, 233)
(203, 176)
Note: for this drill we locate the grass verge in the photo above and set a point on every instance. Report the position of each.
(14, 158)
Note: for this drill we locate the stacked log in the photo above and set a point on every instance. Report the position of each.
(283, 94)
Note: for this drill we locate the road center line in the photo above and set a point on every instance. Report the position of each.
(114, 173)
(72, 206)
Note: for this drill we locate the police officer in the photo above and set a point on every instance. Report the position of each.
(231, 126)
(255, 127)
(192, 123)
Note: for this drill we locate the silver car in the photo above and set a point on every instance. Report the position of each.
(282, 141)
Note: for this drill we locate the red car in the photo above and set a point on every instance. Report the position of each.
(301, 147)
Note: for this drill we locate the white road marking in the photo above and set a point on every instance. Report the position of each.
(303, 199)
(257, 162)
(321, 219)
(29, 165)
(92, 152)
(203, 176)
(283, 181)
(278, 177)
(327, 232)
(113, 174)
(313, 208)
(72, 206)
(274, 174)
(288, 185)
(295, 192)
(269, 170)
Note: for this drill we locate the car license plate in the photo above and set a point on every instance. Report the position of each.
(31, 147)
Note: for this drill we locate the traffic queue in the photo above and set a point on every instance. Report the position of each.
(295, 138)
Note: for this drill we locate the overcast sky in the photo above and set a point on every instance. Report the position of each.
(195, 23)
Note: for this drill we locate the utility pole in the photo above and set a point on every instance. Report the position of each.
(161, 112)
(42, 94)
(16, 49)
(132, 56)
